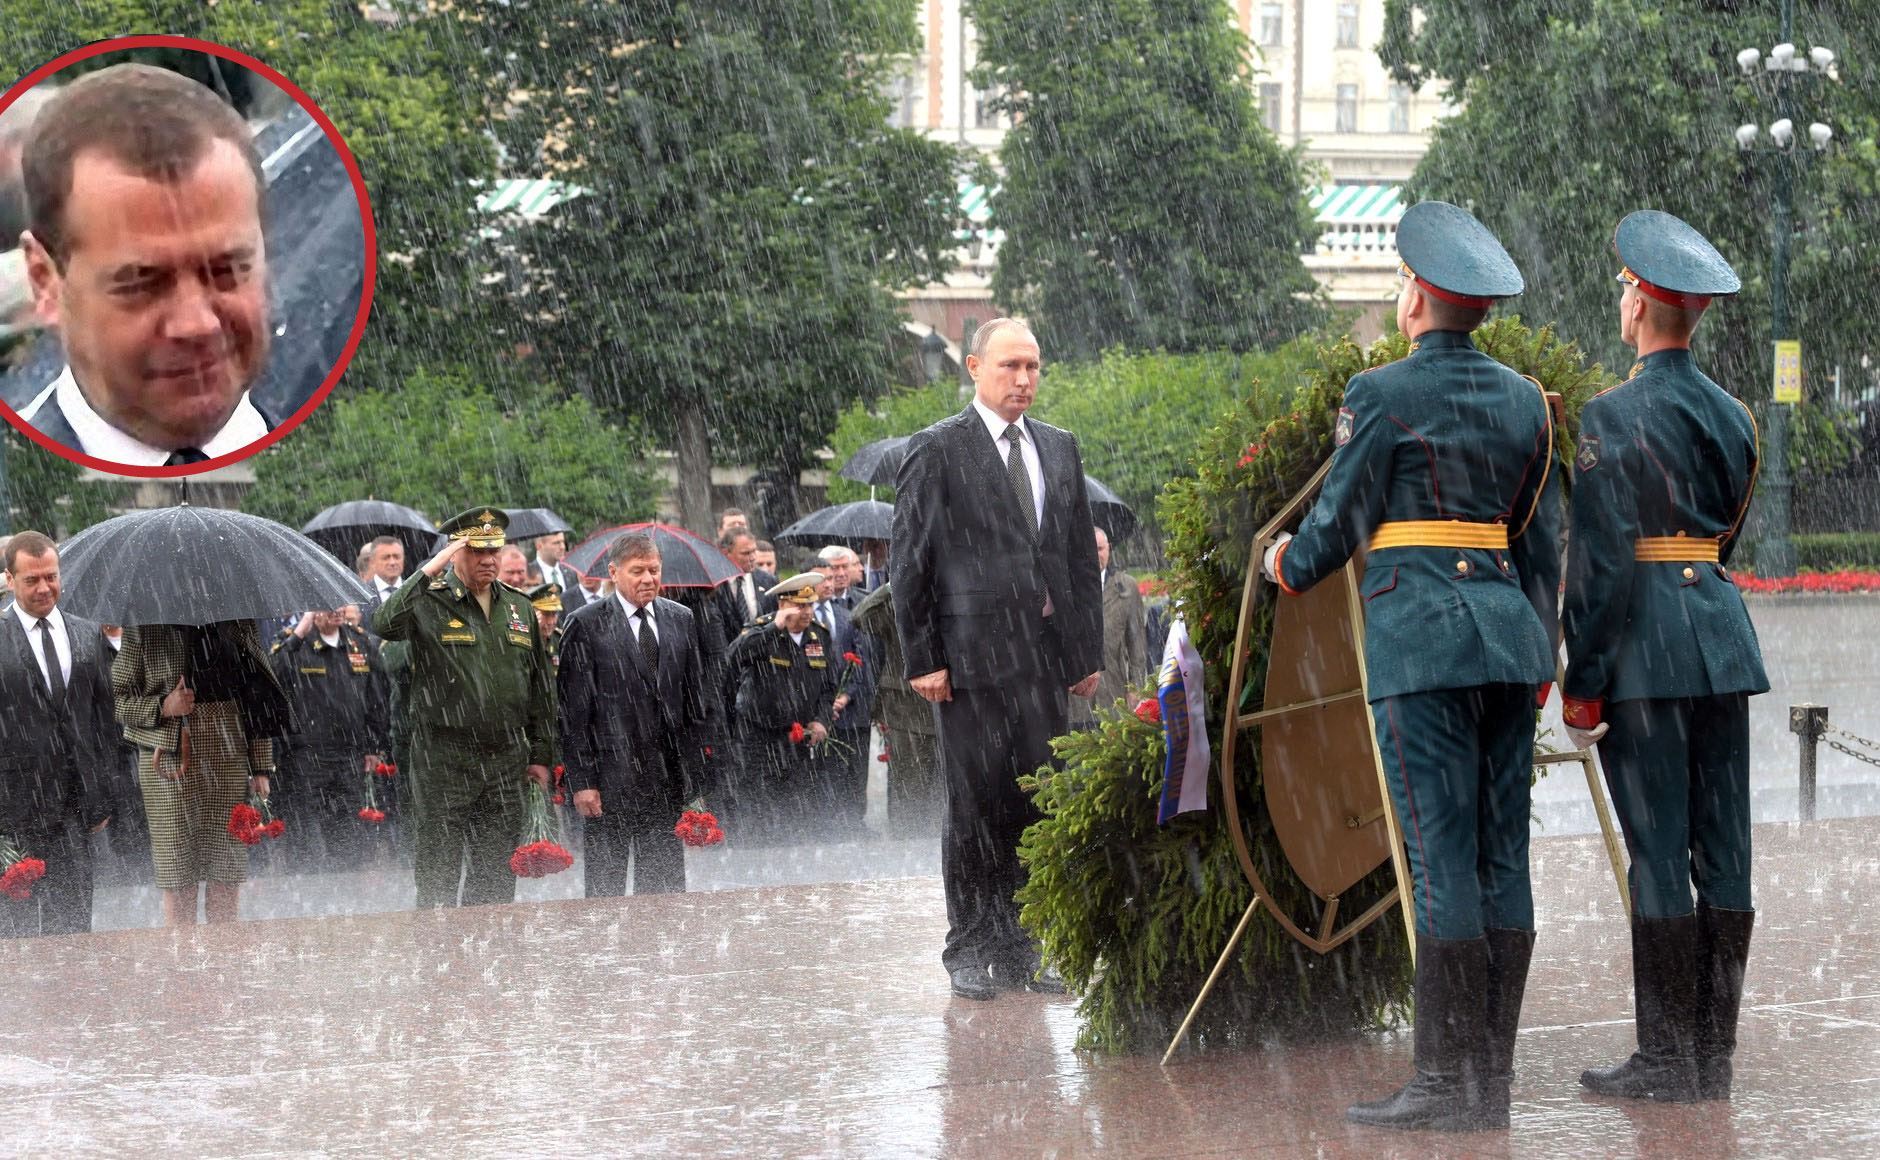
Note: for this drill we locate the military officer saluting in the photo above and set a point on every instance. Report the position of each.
(546, 600)
(1662, 659)
(1441, 462)
(482, 709)
(780, 678)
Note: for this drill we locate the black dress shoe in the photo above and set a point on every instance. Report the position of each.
(974, 983)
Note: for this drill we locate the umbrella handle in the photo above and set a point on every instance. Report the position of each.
(182, 751)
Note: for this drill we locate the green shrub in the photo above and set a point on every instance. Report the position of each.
(1134, 914)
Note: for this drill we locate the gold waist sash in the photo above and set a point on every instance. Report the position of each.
(1439, 534)
(1676, 549)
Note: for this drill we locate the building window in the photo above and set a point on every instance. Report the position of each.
(902, 92)
(1270, 107)
(985, 112)
(1272, 24)
(1347, 26)
(1400, 108)
(1347, 108)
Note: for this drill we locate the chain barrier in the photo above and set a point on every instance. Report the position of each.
(1856, 738)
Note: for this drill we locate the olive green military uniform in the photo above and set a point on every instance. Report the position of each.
(482, 707)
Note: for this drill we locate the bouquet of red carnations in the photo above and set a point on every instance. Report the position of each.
(253, 820)
(698, 828)
(540, 853)
(20, 871)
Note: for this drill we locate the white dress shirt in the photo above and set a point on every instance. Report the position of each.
(96, 435)
(633, 612)
(61, 643)
(996, 426)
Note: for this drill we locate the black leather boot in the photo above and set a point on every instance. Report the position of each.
(1664, 969)
(1445, 1094)
(1509, 953)
(1722, 954)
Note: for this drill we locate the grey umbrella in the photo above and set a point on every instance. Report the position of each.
(1108, 511)
(191, 565)
(875, 463)
(528, 523)
(346, 527)
(845, 523)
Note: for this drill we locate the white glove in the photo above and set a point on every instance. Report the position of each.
(1586, 738)
(1268, 563)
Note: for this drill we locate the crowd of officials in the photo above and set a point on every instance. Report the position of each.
(378, 730)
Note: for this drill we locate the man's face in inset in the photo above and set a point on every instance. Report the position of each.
(35, 583)
(162, 300)
(1006, 379)
(388, 562)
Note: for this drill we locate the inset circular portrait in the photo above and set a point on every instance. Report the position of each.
(186, 256)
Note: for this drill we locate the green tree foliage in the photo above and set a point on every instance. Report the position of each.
(1134, 914)
(900, 412)
(1144, 204)
(396, 94)
(730, 277)
(444, 441)
(1580, 111)
(48, 493)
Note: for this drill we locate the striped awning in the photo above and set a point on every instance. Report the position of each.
(976, 202)
(525, 196)
(1350, 205)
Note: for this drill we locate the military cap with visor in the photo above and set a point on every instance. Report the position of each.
(484, 527)
(1667, 259)
(546, 597)
(800, 589)
(1450, 255)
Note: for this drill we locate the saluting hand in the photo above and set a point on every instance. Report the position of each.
(434, 567)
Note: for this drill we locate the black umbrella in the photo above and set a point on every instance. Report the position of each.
(346, 527)
(528, 523)
(191, 565)
(686, 560)
(875, 463)
(845, 523)
(1109, 512)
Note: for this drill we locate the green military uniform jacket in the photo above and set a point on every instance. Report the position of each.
(1668, 453)
(773, 682)
(482, 699)
(1445, 433)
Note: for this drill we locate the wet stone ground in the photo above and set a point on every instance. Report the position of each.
(809, 1017)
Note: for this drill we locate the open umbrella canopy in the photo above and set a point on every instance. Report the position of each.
(1108, 511)
(191, 565)
(686, 560)
(846, 523)
(875, 463)
(528, 523)
(345, 527)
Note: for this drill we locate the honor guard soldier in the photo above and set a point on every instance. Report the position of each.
(1662, 659)
(1441, 463)
(482, 709)
(546, 600)
(780, 679)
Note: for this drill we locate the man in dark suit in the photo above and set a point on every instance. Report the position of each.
(58, 741)
(844, 770)
(1000, 611)
(549, 552)
(633, 720)
(743, 599)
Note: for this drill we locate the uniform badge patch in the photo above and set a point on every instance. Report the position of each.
(1587, 457)
(1341, 434)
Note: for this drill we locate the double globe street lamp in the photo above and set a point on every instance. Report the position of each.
(1785, 79)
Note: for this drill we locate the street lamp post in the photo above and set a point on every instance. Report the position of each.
(1778, 77)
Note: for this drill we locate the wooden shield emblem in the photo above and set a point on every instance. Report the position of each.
(1316, 758)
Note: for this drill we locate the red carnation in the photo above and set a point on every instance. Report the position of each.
(697, 828)
(384, 770)
(1149, 709)
(18, 880)
(244, 824)
(558, 799)
(539, 859)
(882, 757)
(851, 658)
(372, 815)
(274, 829)
(797, 733)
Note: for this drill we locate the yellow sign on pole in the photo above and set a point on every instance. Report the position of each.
(1788, 370)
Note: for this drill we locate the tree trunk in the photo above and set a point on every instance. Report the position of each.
(693, 463)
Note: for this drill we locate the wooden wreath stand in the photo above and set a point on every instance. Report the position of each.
(1323, 773)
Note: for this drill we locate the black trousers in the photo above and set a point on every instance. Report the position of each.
(61, 901)
(988, 738)
(637, 823)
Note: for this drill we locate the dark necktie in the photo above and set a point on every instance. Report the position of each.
(823, 617)
(184, 456)
(1021, 479)
(649, 644)
(55, 676)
